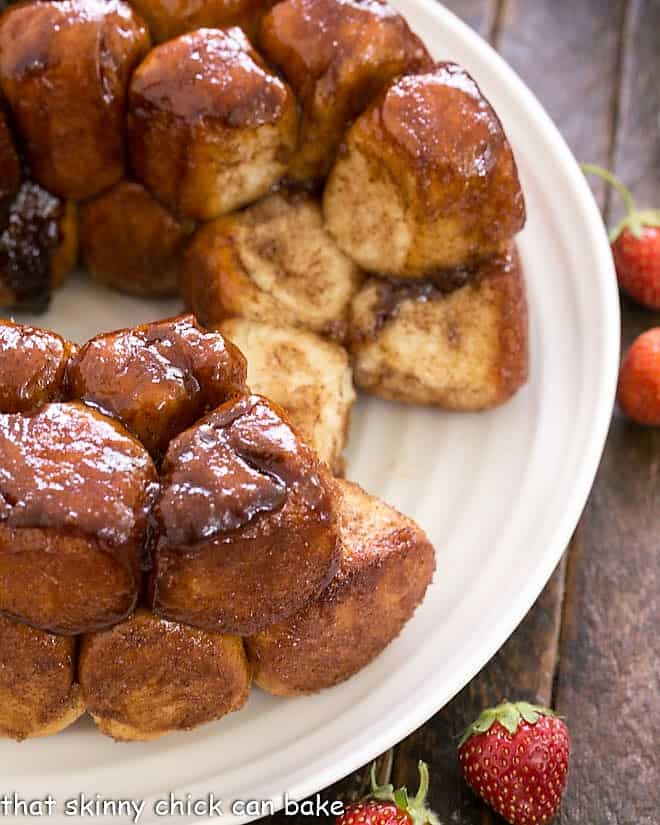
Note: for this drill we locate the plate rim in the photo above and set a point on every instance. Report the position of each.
(363, 749)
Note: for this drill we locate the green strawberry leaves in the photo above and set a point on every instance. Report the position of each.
(414, 808)
(509, 715)
(635, 219)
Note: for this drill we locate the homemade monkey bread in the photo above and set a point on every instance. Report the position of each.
(164, 563)
(332, 204)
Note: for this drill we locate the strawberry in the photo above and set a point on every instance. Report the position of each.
(635, 245)
(385, 806)
(515, 757)
(639, 379)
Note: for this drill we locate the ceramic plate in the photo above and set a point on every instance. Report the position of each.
(499, 494)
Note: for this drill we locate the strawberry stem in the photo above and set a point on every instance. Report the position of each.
(634, 220)
(415, 808)
(508, 714)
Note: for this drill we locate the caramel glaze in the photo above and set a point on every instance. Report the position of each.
(195, 104)
(167, 19)
(245, 523)
(64, 69)
(440, 125)
(392, 292)
(159, 378)
(29, 241)
(32, 365)
(209, 74)
(75, 493)
(338, 55)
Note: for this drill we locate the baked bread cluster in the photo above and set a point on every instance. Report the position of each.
(303, 164)
(333, 205)
(167, 536)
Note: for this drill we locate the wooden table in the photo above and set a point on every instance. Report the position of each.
(590, 646)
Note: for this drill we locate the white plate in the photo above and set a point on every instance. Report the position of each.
(499, 494)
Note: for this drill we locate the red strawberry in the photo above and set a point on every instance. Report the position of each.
(385, 806)
(639, 379)
(515, 757)
(635, 245)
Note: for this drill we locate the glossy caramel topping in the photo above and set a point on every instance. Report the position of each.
(158, 378)
(208, 74)
(67, 467)
(27, 244)
(442, 119)
(242, 460)
(311, 37)
(32, 367)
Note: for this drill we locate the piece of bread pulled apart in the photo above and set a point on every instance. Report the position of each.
(427, 181)
(463, 349)
(309, 377)
(148, 676)
(246, 529)
(75, 492)
(158, 378)
(273, 262)
(210, 127)
(64, 70)
(337, 55)
(131, 242)
(387, 562)
(33, 365)
(38, 691)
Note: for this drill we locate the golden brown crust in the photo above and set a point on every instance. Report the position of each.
(466, 349)
(32, 365)
(131, 242)
(246, 527)
(272, 262)
(337, 55)
(167, 20)
(75, 492)
(387, 564)
(159, 378)
(432, 159)
(69, 106)
(38, 693)
(38, 246)
(210, 127)
(148, 676)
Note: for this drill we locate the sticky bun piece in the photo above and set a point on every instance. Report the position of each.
(245, 524)
(167, 20)
(309, 377)
(10, 169)
(337, 55)
(159, 378)
(38, 691)
(64, 68)
(38, 247)
(210, 127)
(75, 490)
(148, 676)
(465, 349)
(131, 242)
(427, 181)
(33, 367)
(387, 562)
(273, 262)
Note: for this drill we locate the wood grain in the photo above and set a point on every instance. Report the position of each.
(481, 15)
(609, 680)
(523, 669)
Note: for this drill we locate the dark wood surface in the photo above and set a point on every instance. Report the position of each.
(591, 644)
